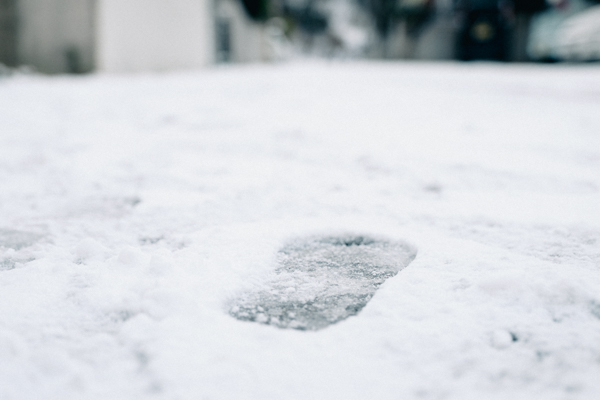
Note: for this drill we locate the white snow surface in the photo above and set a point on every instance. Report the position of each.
(133, 209)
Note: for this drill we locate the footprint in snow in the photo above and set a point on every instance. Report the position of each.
(321, 280)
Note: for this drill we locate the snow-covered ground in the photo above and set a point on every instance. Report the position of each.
(133, 209)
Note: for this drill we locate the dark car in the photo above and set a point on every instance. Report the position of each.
(483, 29)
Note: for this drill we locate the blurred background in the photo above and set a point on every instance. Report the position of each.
(79, 36)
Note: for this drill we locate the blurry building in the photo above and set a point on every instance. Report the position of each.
(141, 35)
(8, 32)
(62, 36)
(57, 36)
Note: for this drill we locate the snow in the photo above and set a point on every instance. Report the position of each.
(135, 209)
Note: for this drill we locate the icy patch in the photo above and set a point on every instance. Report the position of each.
(16, 240)
(323, 280)
(11, 241)
(7, 264)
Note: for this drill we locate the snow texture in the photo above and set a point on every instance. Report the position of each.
(136, 210)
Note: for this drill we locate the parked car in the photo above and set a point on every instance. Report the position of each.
(565, 31)
(483, 29)
(578, 38)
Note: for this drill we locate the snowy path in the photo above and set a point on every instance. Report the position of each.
(133, 209)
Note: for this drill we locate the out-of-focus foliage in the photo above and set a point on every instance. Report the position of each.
(258, 10)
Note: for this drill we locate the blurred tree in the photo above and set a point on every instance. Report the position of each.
(382, 12)
(306, 17)
(415, 13)
(529, 6)
(410, 16)
(258, 10)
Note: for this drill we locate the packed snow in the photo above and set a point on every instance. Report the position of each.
(135, 209)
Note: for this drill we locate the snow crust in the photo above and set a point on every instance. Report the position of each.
(134, 209)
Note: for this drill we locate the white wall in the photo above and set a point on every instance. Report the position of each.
(49, 30)
(154, 35)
